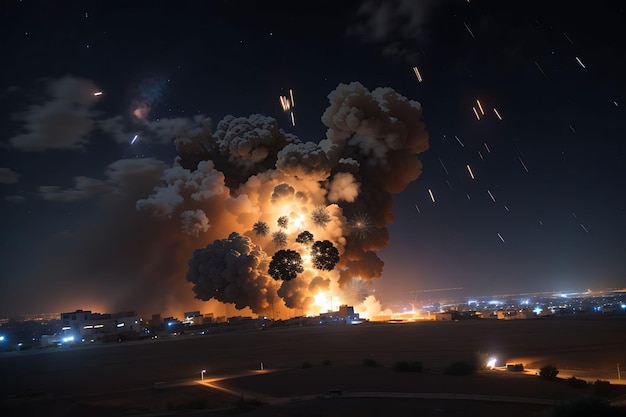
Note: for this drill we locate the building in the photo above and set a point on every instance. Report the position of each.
(85, 326)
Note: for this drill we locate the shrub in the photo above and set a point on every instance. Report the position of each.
(371, 363)
(576, 383)
(548, 372)
(404, 366)
(602, 387)
(460, 368)
(306, 364)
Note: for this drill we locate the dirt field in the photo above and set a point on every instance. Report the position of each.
(120, 378)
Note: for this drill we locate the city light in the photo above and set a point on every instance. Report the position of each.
(491, 363)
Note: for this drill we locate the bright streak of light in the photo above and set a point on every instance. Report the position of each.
(501, 238)
(476, 113)
(491, 195)
(468, 196)
(497, 114)
(134, 139)
(568, 39)
(285, 103)
(443, 166)
(417, 74)
(293, 102)
(432, 197)
(417, 208)
(480, 106)
(469, 169)
(449, 185)
(459, 140)
(615, 102)
(487, 147)
(540, 69)
(293, 120)
(580, 62)
(523, 164)
(506, 208)
(481, 155)
(469, 30)
(97, 93)
(572, 129)
(584, 228)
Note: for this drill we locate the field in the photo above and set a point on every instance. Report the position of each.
(152, 376)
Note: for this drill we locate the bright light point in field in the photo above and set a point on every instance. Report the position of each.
(491, 363)
(537, 310)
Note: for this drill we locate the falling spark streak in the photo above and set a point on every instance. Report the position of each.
(491, 195)
(469, 169)
(469, 30)
(523, 164)
(584, 228)
(293, 102)
(432, 197)
(580, 62)
(468, 196)
(134, 139)
(501, 238)
(476, 113)
(572, 129)
(443, 166)
(97, 93)
(487, 147)
(480, 106)
(506, 208)
(293, 120)
(568, 39)
(417, 74)
(417, 208)
(497, 114)
(285, 103)
(481, 156)
(574, 214)
(540, 69)
(449, 185)
(615, 102)
(459, 140)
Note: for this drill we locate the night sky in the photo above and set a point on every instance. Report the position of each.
(521, 189)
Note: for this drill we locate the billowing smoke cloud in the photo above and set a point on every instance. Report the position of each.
(62, 122)
(216, 215)
(251, 189)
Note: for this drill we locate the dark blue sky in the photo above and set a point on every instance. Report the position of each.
(558, 225)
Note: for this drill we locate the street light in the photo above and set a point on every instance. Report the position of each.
(202, 374)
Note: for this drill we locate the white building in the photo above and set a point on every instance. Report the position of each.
(85, 326)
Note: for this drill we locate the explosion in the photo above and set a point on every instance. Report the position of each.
(305, 218)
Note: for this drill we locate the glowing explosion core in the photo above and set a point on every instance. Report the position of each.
(305, 219)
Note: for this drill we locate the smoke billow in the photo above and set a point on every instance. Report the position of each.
(252, 190)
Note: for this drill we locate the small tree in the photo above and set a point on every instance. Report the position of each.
(602, 388)
(576, 383)
(548, 372)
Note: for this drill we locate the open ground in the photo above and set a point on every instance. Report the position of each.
(159, 376)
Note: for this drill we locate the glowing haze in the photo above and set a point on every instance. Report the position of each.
(248, 189)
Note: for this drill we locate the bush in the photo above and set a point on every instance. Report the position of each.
(371, 363)
(460, 368)
(548, 372)
(306, 365)
(576, 383)
(602, 387)
(404, 366)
